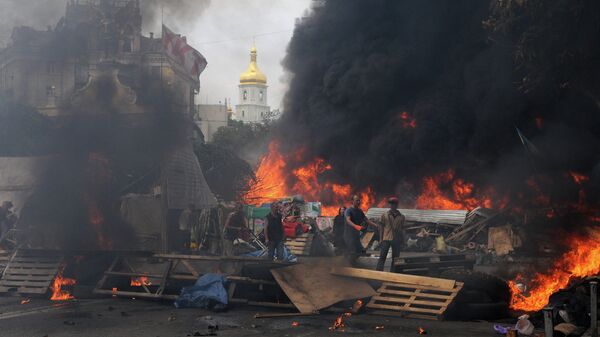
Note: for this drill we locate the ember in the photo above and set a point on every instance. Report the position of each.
(408, 122)
(338, 324)
(295, 324)
(275, 180)
(421, 331)
(58, 293)
(25, 301)
(583, 260)
(140, 281)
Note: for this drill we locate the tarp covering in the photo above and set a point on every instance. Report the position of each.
(184, 181)
(208, 291)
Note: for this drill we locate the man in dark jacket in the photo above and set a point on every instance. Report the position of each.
(356, 221)
(339, 223)
(274, 233)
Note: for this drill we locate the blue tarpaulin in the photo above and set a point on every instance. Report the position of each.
(208, 290)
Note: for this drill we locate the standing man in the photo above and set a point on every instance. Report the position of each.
(235, 223)
(356, 221)
(391, 233)
(339, 224)
(274, 233)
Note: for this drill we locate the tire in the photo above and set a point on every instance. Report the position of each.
(496, 288)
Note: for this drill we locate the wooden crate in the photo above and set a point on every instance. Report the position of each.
(30, 272)
(300, 245)
(412, 301)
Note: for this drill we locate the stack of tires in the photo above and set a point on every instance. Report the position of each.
(483, 296)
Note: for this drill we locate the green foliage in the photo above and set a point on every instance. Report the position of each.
(225, 172)
(237, 136)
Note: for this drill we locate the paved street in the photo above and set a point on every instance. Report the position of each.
(132, 318)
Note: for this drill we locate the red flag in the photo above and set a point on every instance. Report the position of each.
(177, 49)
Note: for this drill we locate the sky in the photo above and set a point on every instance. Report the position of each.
(222, 30)
(224, 34)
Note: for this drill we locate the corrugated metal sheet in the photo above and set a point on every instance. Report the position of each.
(450, 217)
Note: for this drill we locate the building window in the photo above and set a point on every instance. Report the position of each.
(260, 96)
(50, 67)
(50, 91)
(242, 113)
(245, 95)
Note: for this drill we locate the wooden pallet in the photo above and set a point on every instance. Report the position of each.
(4, 258)
(412, 301)
(30, 272)
(432, 264)
(300, 245)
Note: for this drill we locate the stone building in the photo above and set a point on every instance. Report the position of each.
(46, 69)
(210, 117)
(252, 106)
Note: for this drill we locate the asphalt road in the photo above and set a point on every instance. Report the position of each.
(132, 318)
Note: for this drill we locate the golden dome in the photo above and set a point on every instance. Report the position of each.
(253, 75)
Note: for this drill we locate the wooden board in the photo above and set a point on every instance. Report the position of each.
(300, 245)
(365, 241)
(432, 263)
(393, 277)
(412, 301)
(30, 272)
(310, 286)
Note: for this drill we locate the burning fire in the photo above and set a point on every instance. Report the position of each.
(338, 324)
(140, 281)
(421, 331)
(583, 260)
(464, 194)
(58, 294)
(274, 181)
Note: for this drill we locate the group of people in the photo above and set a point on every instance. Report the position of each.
(350, 224)
(348, 228)
(237, 224)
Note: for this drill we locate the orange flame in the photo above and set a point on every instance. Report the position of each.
(338, 324)
(25, 301)
(295, 324)
(421, 331)
(583, 260)
(464, 194)
(139, 281)
(275, 181)
(58, 294)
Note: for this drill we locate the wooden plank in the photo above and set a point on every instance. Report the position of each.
(410, 300)
(409, 293)
(32, 284)
(11, 277)
(393, 277)
(136, 294)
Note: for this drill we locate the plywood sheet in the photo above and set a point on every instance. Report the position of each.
(311, 286)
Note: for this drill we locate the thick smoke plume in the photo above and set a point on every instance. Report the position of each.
(179, 14)
(389, 92)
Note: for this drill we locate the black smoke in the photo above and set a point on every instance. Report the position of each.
(468, 72)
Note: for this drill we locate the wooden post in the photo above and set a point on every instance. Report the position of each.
(594, 308)
(548, 324)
